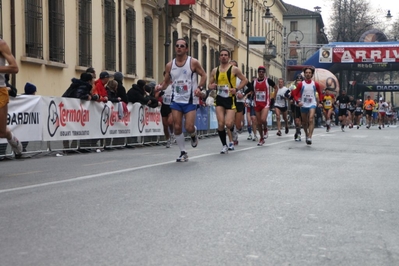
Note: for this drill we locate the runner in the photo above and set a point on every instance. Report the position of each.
(166, 113)
(261, 89)
(305, 95)
(382, 109)
(369, 107)
(296, 110)
(351, 111)
(358, 113)
(342, 102)
(8, 65)
(223, 79)
(183, 72)
(328, 107)
(281, 106)
(250, 112)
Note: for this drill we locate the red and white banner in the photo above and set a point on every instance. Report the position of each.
(361, 54)
(181, 2)
(25, 118)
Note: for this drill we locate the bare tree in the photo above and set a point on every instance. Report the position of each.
(350, 19)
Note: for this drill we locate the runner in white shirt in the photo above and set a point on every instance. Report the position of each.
(382, 109)
(281, 106)
(166, 113)
(183, 72)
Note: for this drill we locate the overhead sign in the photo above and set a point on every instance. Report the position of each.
(181, 2)
(325, 55)
(362, 54)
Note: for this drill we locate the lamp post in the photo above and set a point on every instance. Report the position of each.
(229, 16)
(272, 51)
(248, 12)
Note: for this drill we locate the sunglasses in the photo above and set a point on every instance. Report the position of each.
(180, 46)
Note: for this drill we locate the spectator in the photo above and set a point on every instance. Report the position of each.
(30, 89)
(81, 88)
(99, 87)
(138, 94)
(118, 76)
(112, 91)
(91, 71)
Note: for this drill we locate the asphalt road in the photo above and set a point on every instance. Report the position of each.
(332, 203)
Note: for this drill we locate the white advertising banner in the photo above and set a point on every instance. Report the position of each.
(25, 118)
(146, 121)
(67, 119)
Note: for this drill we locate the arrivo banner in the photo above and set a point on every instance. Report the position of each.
(361, 54)
(41, 118)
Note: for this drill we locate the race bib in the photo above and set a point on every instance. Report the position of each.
(342, 105)
(223, 91)
(308, 98)
(181, 87)
(167, 99)
(260, 96)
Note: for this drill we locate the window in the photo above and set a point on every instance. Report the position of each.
(131, 41)
(188, 44)
(148, 47)
(195, 49)
(109, 35)
(56, 30)
(34, 28)
(175, 37)
(204, 55)
(217, 58)
(85, 26)
(293, 25)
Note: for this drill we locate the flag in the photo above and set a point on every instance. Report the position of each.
(181, 2)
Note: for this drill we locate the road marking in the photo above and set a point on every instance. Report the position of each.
(136, 168)
(25, 173)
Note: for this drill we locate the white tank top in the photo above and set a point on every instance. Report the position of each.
(280, 98)
(185, 81)
(2, 76)
(308, 94)
(167, 96)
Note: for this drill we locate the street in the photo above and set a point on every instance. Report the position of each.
(286, 203)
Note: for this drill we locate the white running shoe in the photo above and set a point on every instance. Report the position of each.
(224, 150)
(168, 143)
(249, 137)
(16, 146)
(183, 157)
(231, 146)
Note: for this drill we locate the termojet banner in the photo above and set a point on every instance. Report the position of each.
(361, 54)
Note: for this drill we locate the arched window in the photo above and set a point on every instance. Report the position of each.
(109, 35)
(195, 49)
(85, 36)
(175, 37)
(131, 41)
(148, 47)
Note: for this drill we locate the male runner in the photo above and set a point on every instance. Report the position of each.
(281, 106)
(183, 72)
(223, 79)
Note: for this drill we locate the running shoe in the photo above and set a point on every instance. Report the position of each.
(278, 133)
(224, 150)
(168, 143)
(249, 137)
(328, 128)
(261, 142)
(265, 133)
(343, 128)
(235, 136)
(183, 157)
(16, 146)
(296, 136)
(172, 138)
(299, 137)
(309, 141)
(194, 139)
(368, 127)
(287, 130)
(231, 146)
(379, 127)
(357, 127)
(255, 138)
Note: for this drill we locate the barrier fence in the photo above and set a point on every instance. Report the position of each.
(50, 124)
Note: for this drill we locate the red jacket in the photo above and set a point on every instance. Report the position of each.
(100, 90)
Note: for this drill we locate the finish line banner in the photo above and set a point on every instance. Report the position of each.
(360, 54)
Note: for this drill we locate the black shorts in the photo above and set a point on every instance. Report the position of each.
(369, 112)
(165, 110)
(358, 113)
(282, 109)
(226, 103)
(342, 112)
(240, 107)
(296, 111)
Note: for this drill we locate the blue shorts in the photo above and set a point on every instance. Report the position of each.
(183, 107)
(306, 110)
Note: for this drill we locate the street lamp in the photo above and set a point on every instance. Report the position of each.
(268, 15)
(272, 53)
(229, 16)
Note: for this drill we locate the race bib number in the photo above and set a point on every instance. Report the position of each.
(181, 87)
(308, 99)
(260, 96)
(328, 103)
(223, 91)
(342, 105)
(167, 99)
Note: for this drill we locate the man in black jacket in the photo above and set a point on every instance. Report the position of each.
(138, 94)
(121, 91)
(81, 88)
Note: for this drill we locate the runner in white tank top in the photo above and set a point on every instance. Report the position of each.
(182, 72)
